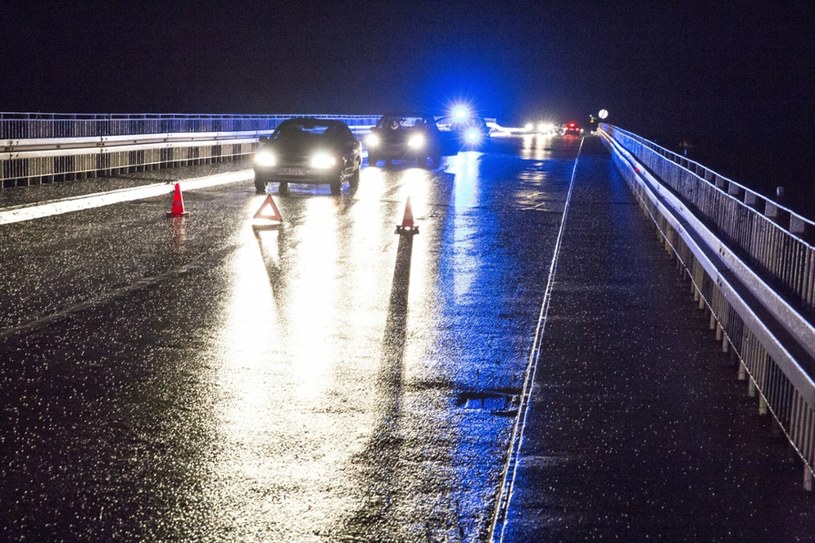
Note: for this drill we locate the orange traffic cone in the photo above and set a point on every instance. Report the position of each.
(269, 202)
(407, 227)
(177, 210)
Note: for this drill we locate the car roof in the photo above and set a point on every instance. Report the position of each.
(314, 120)
(478, 118)
(408, 114)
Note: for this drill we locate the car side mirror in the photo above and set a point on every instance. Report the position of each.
(263, 139)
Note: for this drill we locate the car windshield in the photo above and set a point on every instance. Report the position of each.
(304, 129)
(396, 122)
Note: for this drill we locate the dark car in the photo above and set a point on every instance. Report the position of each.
(308, 151)
(412, 137)
(571, 129)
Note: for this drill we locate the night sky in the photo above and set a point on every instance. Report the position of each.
(703, 69)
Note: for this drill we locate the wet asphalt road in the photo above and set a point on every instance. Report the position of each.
(199, 379)
(639, 428)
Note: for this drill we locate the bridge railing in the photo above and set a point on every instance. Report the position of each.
(76, 125)
(752, 266)
(776, 242)
(44, 147)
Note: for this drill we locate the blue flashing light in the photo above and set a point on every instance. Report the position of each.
(461, 113)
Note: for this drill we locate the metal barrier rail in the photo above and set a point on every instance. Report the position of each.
(724, 240)
(73, 125)
(44, 147)
(775, 241)
(36, 147)
(58, 165)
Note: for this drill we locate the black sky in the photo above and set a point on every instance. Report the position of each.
(700, 68)
(690, 64)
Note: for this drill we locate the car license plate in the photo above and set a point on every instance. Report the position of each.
(292, 171)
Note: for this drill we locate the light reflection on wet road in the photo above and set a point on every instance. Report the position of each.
(201, 379)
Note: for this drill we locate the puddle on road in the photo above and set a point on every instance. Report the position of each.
(496, 403)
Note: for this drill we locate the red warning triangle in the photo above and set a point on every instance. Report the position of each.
(274, 216)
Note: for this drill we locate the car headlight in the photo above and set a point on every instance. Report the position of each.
(416, 141)
(265, 158)
(373, 140)
(322, 161)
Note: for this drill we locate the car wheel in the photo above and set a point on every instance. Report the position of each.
(260, 185)
(354, 179)
(284, 188)
(336, 187)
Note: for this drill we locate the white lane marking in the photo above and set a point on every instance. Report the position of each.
(77, 203)
(511, 467)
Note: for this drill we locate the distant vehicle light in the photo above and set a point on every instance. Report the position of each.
(416, 141)
(529, 127)
(549, 128)
(265, 158)
(542, 127)
(322, 161)
(373, 140)
(472, 136)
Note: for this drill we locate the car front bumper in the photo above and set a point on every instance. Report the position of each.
(397, 151)
(297, 174)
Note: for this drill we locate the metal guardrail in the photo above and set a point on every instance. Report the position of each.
(44, 147)
(74, 125)
(752, 266)
(774, 241)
